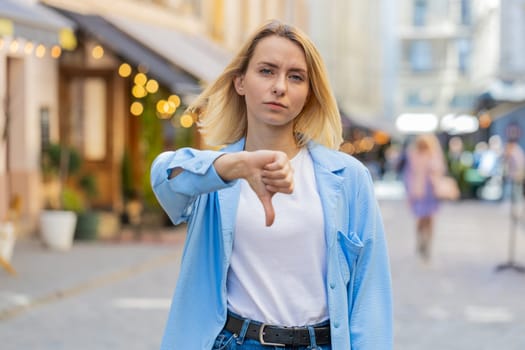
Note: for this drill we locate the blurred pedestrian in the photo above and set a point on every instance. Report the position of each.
(490, 162)
(285, 240)
(424, 163)
(513, 170)
(458, 159)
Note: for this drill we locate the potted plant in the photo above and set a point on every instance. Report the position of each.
(61, 202)
(87, 218)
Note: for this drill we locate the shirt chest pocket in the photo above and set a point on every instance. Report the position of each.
(348, 250)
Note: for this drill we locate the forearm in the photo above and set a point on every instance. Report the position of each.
(231, 166)
(177, 178)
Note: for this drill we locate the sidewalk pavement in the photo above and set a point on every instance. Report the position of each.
(457, 302)
(44, 276)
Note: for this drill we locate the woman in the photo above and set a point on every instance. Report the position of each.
(425, 162)
(285, 243)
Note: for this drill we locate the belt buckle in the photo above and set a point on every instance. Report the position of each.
(261, 337)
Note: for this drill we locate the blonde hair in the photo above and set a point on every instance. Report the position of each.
(430, 143)
(221, 112)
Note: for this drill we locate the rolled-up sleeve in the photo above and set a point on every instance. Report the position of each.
(197, 176)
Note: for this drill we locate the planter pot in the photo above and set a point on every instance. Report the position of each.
(57, 228)
(108, 225)
(87, 226)
(7, 240)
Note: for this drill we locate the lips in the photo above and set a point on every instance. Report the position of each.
(276, 104)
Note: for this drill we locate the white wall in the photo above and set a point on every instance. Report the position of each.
(33, 83)
(40, 82)
(351, 36)
(2, 111)
(486, 43)
(512, 64)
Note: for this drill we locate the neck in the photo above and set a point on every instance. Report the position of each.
(272, 141)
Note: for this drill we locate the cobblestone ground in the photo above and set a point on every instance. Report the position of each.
(459, 301)
(116, 295)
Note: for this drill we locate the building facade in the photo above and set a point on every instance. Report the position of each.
(436, 74)
(83, 98)
(32, 39)
(357, 40)
(500, 66)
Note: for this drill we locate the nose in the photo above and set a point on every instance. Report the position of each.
(279, 87)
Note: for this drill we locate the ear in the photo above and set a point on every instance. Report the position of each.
(238, 82)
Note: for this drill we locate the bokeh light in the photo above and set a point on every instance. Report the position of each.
(124, 70)
(40, 51)
(140, 79)
(152, 86)
(56, 51)
(136, 108)
(97, 52)
(186, 121)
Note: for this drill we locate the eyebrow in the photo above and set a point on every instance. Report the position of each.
(273, 65)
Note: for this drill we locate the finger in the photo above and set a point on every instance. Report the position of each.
(280, 162)
(269, 212)
(276, 174)
(285, 185)
(280, 173)
(283, 189)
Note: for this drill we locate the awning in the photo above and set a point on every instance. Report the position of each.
(133, 52)
(36, 23)
(195, 54)
(500, 95)
(507, 91)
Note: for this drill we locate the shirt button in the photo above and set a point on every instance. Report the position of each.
(336, 324)
(198, 165)
(332, 285)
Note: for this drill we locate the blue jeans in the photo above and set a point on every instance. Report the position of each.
(228, 341)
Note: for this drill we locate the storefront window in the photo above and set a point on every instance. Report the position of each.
(44, 127)
(88, 116)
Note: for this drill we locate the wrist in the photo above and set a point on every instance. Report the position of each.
(230, 166)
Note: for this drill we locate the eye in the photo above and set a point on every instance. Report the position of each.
(296, 77)
(265, 71)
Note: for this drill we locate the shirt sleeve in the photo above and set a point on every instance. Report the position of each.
(197, 176)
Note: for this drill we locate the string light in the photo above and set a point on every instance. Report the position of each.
(124, 70)
(140, 79)
(28, 48)
(138, 91)
(40, 51)
(136, 108)
(186, 121)
(152, 86)
(175, 99)
(485, 120)
(97, 52)
(13, 47)
(56, 51)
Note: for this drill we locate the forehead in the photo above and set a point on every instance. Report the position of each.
(279, 50)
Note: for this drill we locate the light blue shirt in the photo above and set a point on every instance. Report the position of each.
(358, 273)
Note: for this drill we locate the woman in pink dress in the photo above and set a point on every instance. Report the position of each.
(424, 162)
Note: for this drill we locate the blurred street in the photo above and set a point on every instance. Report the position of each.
(109, 295)
(92, 91)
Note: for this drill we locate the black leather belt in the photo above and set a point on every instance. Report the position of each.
(278, 336)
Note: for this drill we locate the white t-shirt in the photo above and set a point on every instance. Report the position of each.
(277, 273)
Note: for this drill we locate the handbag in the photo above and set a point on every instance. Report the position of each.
(446, 188)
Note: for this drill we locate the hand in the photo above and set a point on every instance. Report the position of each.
(267, 172)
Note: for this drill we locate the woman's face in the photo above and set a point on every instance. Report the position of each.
(275, 85)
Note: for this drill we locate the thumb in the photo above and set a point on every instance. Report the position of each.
(269, 212)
